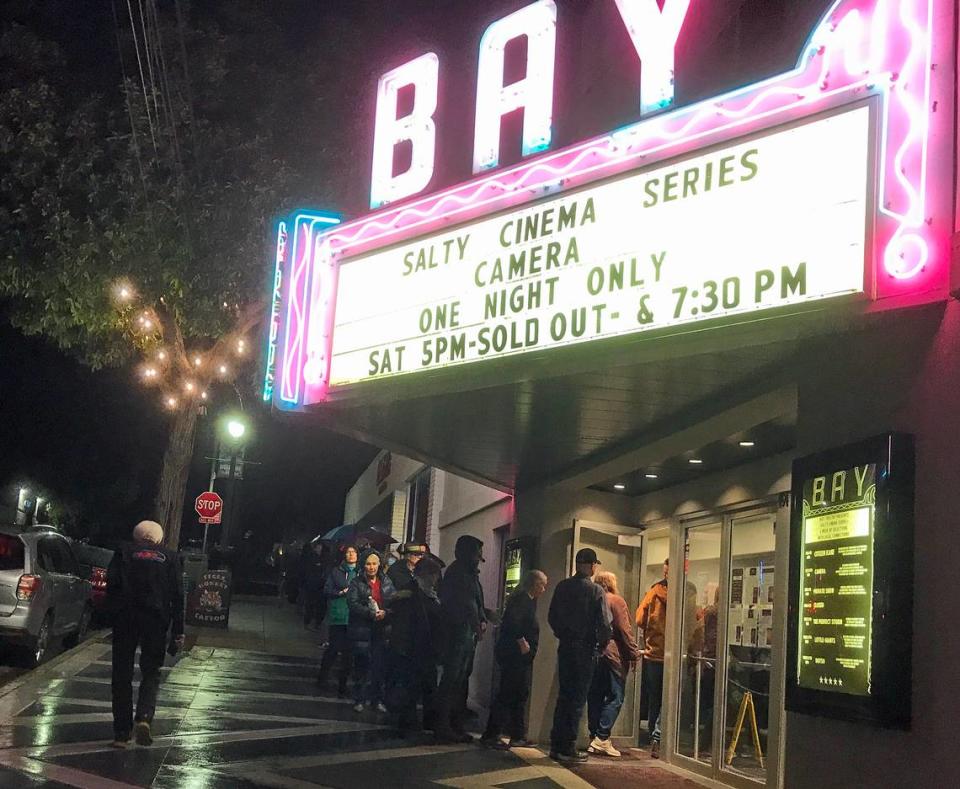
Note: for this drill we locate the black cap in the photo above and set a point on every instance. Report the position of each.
(587, 556)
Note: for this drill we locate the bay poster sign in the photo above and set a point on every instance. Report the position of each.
(679, 243)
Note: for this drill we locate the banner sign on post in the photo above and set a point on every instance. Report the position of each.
(208, 605)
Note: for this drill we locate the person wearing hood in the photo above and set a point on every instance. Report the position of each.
(414, 637)
(369, 597)
(464, 623)
(652, 621)
(338, 617)
(145, 598)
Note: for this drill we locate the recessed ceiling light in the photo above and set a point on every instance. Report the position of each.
(695, 461)
(619, 486)
(651, 475)
(746, 444)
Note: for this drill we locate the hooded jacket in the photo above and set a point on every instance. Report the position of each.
(461, 596)
(652, 620)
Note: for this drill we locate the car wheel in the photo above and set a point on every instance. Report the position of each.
(81, 632)
(38, 651)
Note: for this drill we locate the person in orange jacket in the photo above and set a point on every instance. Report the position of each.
(652, 621)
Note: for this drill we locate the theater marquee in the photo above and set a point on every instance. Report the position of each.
(682, 243)
(809, 188)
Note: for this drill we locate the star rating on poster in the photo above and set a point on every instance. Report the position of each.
(832, 681)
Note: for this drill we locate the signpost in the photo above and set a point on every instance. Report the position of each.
(209, 507)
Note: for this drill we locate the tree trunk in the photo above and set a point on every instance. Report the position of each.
(176, 469)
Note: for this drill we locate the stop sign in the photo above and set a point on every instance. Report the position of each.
(209, 507)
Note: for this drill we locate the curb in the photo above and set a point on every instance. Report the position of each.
(48, 670)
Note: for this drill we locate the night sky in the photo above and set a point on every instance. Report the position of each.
(94, 440)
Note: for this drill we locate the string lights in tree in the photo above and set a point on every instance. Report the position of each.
(185, 376)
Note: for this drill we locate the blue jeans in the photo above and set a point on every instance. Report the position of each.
(605, 700)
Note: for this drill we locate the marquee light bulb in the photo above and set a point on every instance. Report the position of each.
(162, 355)
(197, 361)
(203, 395)
(171, 402)
(189, 386)
(222, 369)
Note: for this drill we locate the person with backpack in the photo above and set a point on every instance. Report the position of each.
(145, 599)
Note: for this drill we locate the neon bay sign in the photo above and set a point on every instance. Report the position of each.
(881, 52)
(653, 30)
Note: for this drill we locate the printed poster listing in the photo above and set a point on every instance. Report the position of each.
(666, 246)
(837, 581)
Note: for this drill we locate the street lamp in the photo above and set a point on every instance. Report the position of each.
(235, 435)
(236, 429)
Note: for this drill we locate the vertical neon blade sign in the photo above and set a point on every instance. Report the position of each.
(276, 302)
(538, 22)
(862, 49)
(299, 294)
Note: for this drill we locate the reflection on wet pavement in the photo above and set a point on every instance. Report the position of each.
(235, 718)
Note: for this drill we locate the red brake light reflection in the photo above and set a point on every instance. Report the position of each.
(28, 586)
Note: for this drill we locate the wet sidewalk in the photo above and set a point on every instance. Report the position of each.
(228, 716)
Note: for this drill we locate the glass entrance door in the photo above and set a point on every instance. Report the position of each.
(726, 647)
(619, 549)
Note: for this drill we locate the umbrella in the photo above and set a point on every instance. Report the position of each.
(351, 533)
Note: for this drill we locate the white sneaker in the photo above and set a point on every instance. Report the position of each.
(381, 707)
(358, 708)
(603, 748)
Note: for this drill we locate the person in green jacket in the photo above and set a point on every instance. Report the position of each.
(338, 617)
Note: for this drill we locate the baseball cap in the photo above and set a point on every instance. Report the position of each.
(587, 556)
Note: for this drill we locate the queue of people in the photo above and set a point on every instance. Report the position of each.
(408, 635)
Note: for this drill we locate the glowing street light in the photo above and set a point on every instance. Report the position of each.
(236, 429)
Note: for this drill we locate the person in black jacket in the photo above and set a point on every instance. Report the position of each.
(414, 633)
(581, 621)
(145, 598)
(313, 577)
(338, 616)
(464, 623)
(369, 597)
(401, 572)
(515, 651)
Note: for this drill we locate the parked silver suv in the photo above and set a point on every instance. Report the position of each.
(42, 593)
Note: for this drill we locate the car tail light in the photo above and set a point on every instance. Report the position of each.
(98, 577)
(29, 586)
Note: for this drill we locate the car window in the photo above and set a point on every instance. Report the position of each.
(69, 559)
(45, 557)
(11, 552)
(59, 555)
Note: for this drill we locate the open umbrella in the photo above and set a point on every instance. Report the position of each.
(351, 533)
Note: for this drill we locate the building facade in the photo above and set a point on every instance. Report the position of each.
(725, 334)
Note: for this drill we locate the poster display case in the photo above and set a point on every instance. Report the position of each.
(851, 582)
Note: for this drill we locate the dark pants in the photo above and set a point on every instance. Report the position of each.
(509, 707)
(653, 681)
(149, 631)
(339, 646)
(457, 662)
(314, 608)
(411, 680)
(575, 663)
(369, 670)
(605, 700)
